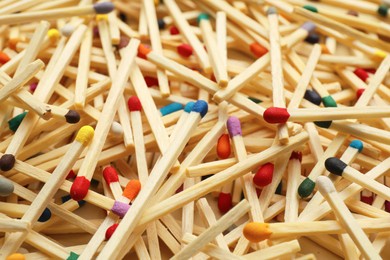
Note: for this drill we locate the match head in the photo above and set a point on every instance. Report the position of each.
(45, 216)
(185, 50)
(361, 74)
(85, 135)
(359, 92)
(116, 129)
(309, 27)
(110, 175)
(103, 7)
(171, 108)
(73, 256)
(223, 147)
(276, 115)
(188, 107)
(313, 38)
(200, 107)
(6, 187)
(72, 117)
(306, 188)
(123, 42)
(335, 165)
(353, 13)
(256, 232)
(296, 155)
(264, 175)
(132, 189)
(143, 51)
(310, 8)
(328, 101)
(202, 16)
(134, 104)
(224, 202)
(234, 126)
(257, 49)
(325, 185)
(323, 124)
(313, 97)
(272, 10)
(79, 188)
(161, 24)
(67, 30)
(111, 231)
(357, 144)
(120, 209)
(7, 162)
(53, 34)
(16, 256)
(15, 122)
(387, 206)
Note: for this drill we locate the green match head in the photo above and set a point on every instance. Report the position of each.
(306, 188)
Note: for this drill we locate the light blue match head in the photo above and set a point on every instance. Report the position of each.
(234, 126)
(103, 7)
(357, 144)
(272, 10)
(200, 107)
(309, 27)
(168, 109)
(188, 107)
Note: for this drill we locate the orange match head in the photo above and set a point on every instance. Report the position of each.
(132, 189)
(143, 51)
(256, 232)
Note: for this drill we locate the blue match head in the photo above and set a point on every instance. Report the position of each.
(203, 16)
(309, 27)
(357, 144)
(45, 216)
(188, 107)
(168, 109)
(313, 97)
(103, 7)
(200, 107)
(335, 165)
(272, 10)
(161, 24)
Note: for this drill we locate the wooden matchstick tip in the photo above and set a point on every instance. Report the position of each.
(67, 30)
(134, 104)
(200, 107)
(383, 10)
(4, 58)
(111, 231)
(120, 209)
(79, 188)
(272, 10)
(313, 97)
(310, 8)
(367, 199)
(45, 216)
(387, 206)
(185, 50)
(171, 108)
(7, 162)
(361, 73)
(16, 256)
(335, 165)
(309, 27)
(359, 92)
(257, 49)
(357, 144)
(256, 232)
(6, 187)
(325, 185)
(264, 175)
(143, 51)
(223, 147)
(110, 175)
(132, 189)
(202, 16)
(72, 256)
(353, 13)
(85, 135)
(328, 101)
(72, 117)
(225, 202)
(103, 7)
(234, 126)
(306, 188)
(188, 107)
(276, 115)
(296, 156)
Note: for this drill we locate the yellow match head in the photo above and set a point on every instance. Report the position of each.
(16, 256)
(53, 34)
(256, 232)
(101, 17)
(85, 135)
(380, 54)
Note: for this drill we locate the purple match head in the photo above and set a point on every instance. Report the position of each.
(234, 126)
(120, 209)
(103, 8)
(309, 27)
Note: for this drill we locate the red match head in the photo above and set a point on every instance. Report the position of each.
(151, 81)
(71, 175)
(110, 175)
(296, 155)
(224, 202)
(79, 188)
(132, 189)
(359, 92)
(134, 104)
(361, 73)
(263, 176)
(185, 50)
(143, 51)
(276, 115)
(111, 231)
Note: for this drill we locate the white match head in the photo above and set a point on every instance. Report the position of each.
(325, 185)
(67, 30)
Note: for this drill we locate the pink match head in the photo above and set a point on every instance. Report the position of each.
(132, 189)
(110, 175)
(224, 202)
(111, 230)
(234, 126)
(276, 115)
(264, 175)
(120, 209)
(79, 188)
(296, 155)
(134, 104)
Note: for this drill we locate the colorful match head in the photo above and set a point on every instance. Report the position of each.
(325, 185)
(134, 104)
(361, 74)
(272, 10)
(335, 165)
(313, 97)
(72, 256)
(200, 107)
(313, 38)
(202, 16)
(257, 49)
(306, 188)
(256, 232)
(383, 10)
(85, 135)
(223, 147)
(359, 92)
(6, 187)
(188, 107)
(53, 35)
(103, 7)
(353, 13)
(67, 30)
(310, 8)
(110, 175)
(367, 199)
(309, 27)
(276, 115)
(328, 101)
(15, 122)
(132, 189)
(72, 117)
(120, 209)
(7, 162)
(161, 24)
(123, 42)
(233, 125)
(357, 144)
(4, 58)
(143, 51)
(296, 156)
(171, 108)
(111, 230)
(16, 256)
(225, 202)
(185, 50)
(45, 216)
(264, 175)
(79, 188)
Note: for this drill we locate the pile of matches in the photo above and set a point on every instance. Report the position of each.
(207, 129)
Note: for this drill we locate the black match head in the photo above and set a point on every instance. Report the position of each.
(335, 165)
